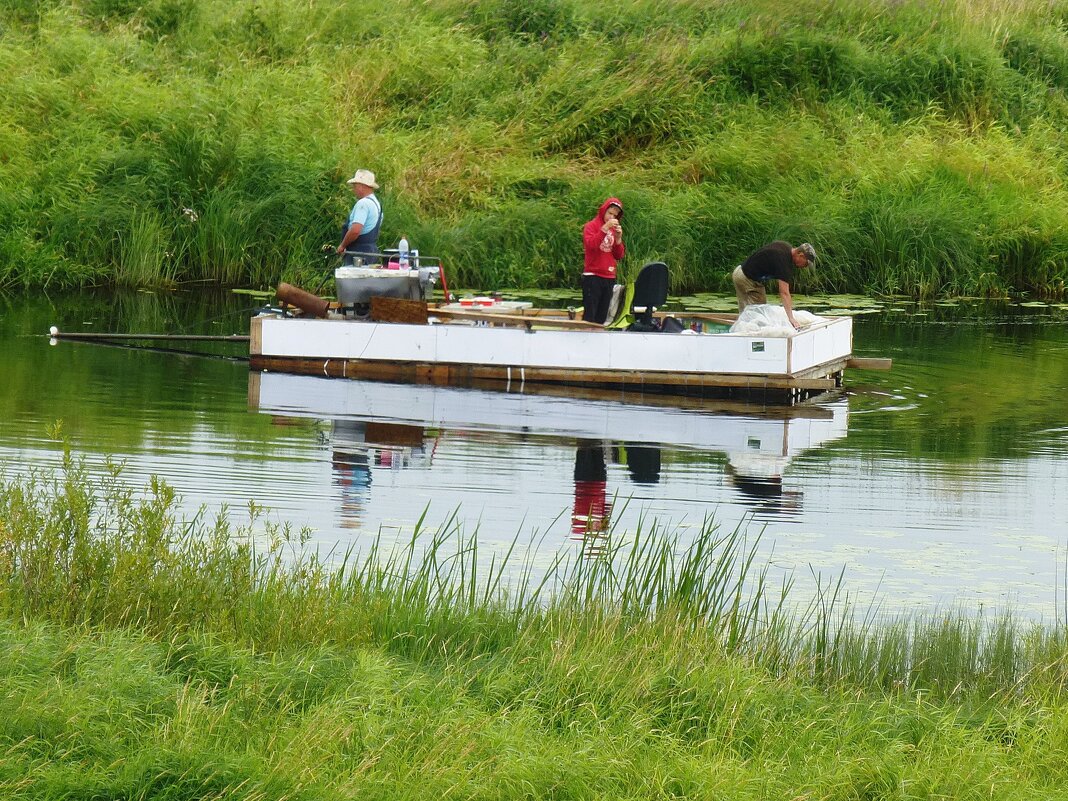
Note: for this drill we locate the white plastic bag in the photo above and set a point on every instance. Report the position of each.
(767, 320)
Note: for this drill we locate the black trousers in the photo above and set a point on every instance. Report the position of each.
(596, 295)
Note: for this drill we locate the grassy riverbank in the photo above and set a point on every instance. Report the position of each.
(149, 657)
(918, 145)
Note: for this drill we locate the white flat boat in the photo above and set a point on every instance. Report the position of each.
(411, 341)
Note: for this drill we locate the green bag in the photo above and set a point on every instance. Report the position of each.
(624, 317)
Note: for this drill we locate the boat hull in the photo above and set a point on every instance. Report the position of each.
(810, 361)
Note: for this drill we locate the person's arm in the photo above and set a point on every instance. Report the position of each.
(351, 235)
(591, 237)
(619, 250)
(788, 303)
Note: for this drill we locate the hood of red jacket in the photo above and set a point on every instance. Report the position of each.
(612, 201)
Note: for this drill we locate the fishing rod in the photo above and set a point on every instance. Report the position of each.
(126, 341)
(55, 333)
(104, 343)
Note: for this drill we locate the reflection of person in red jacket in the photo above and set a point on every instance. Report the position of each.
(592, 512)
(602, 240)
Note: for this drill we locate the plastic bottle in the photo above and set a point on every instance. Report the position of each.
(402, 253)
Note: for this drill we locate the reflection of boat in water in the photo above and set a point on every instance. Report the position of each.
(377, 425)
(745, 432)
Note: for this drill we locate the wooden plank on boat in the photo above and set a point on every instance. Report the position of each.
(537, 312)
(423, 372)
(255, 336)
(861, 363)
(520, 312)
(398, 310)
(823, 370)
(722, 319)
(517, 319)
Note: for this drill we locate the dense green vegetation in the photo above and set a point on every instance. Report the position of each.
(918, 145)
(145, 656)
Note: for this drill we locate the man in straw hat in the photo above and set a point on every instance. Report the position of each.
(365, 220)
(775, 261)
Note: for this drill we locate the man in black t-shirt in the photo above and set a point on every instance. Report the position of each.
(775, 261)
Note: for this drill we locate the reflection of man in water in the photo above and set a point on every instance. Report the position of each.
(643, 462)
(759, 478)
(352, 469)
(591, 515)
(352, 474)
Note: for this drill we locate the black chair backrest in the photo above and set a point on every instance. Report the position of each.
(650, 290)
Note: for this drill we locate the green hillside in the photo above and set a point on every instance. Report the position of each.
(919, 145)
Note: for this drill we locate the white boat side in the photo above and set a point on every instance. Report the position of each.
(827, 343)
(776, 432)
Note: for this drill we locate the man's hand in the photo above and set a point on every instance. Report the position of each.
(340, 249)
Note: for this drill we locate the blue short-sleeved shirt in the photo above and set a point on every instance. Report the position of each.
(366, 212)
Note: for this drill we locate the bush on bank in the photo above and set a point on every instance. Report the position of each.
(167, 141)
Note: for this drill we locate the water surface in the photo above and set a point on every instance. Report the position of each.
(943, 481)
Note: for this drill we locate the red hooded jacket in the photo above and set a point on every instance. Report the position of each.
(601, 262)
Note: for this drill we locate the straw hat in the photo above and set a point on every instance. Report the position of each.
(365, 177)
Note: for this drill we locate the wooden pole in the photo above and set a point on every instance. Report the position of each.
(520, 319)
(869, 363)
(305, 301)
(164, 337)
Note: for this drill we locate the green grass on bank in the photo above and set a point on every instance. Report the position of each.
(918, 145)
(147, 656)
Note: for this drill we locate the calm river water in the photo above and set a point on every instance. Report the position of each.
(941, 482)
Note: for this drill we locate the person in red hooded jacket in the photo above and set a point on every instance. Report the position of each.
(602, 239)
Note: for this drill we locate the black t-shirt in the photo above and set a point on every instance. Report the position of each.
(774, 261)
